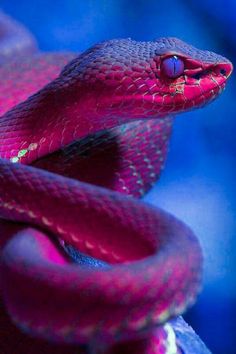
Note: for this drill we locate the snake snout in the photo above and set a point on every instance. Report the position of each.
(224, 69)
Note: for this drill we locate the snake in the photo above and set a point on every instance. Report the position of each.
(86, 266)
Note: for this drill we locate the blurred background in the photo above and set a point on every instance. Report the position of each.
(198, 184)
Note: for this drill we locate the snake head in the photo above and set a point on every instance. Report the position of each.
(113, 83)
(148, 79)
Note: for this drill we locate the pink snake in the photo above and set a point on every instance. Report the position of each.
(95, 136)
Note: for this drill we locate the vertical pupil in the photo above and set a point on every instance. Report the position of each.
(173, 66)
(174, 62)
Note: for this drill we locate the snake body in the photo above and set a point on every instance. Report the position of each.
(76, 147)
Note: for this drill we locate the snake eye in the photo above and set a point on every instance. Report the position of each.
(173, 66)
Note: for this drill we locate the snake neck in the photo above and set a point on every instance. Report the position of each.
(53, 117)
(56, 116)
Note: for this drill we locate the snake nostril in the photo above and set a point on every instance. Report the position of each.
(224, 69)
(223, 72)
(197, 76)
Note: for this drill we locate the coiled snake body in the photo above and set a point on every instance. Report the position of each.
(94, 138)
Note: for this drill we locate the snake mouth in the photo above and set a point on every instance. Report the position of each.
(203, 86)
(197, 88)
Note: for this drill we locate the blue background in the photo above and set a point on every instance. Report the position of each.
(198, 184)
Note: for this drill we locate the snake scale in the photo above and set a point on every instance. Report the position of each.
(81, 140)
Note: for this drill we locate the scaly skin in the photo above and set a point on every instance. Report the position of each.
(151, 263)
